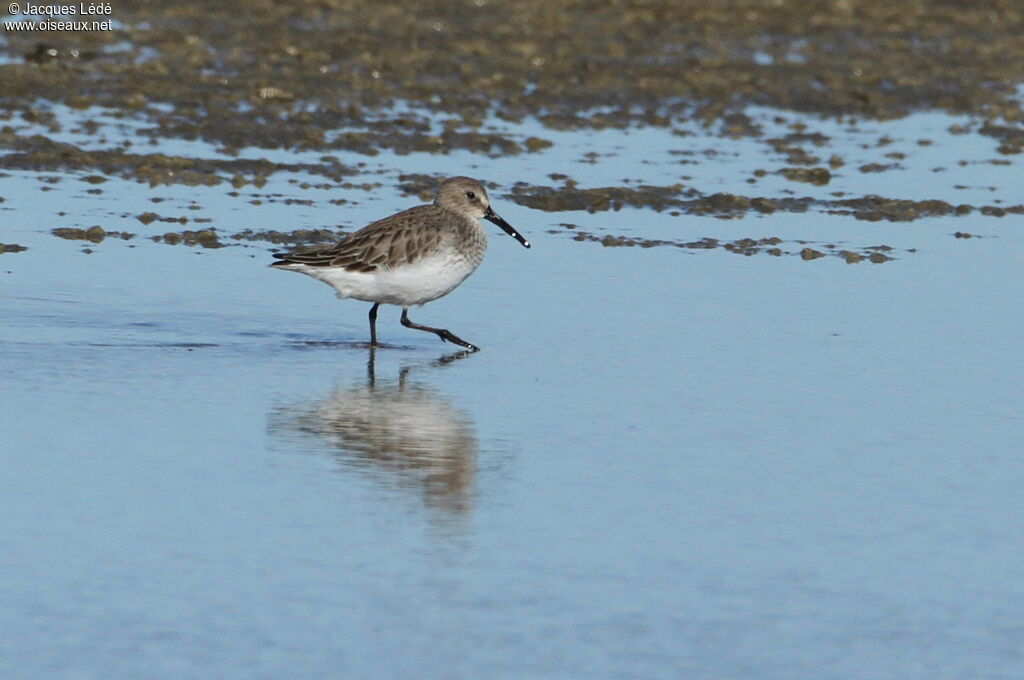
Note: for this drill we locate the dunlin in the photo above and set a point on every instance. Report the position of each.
(410, 258)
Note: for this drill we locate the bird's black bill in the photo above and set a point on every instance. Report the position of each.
(492, 216)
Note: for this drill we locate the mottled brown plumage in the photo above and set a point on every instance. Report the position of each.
(400, 239)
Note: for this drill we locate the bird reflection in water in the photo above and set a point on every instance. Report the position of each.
(402, 428)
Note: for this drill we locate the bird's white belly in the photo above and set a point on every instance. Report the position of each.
(408, 284)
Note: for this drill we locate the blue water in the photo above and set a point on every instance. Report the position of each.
(664, 463)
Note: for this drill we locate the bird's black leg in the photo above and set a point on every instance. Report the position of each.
(373, 324)
(441, 333)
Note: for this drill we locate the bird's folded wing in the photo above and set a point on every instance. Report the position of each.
(400, 239)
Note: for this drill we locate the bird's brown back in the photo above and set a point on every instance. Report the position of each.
(402, 238)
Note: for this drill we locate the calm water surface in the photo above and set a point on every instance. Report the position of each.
(664, 463)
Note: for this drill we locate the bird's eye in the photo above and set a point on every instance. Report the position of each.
(470, 195)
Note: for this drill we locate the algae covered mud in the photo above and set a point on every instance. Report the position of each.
(285, 75)
(197, 89)
(748, 408)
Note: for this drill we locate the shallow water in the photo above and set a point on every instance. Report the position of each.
(664, 463)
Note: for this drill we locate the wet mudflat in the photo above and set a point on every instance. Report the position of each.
(749, 407)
